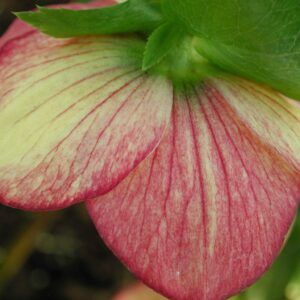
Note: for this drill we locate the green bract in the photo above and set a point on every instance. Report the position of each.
(131, 16)
(256, 39)
(160, 43)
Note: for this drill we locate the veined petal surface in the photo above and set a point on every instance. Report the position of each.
(273, 117)
(76, 116)
(206, 214)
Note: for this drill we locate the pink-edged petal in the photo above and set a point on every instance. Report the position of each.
(206, 214)
(138, 291)
(18, 28)
(273, 117)
(76, 116)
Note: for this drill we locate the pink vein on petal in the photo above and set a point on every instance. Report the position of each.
(75, 127)
(206, 214)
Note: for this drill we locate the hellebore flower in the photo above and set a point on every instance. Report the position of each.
(193, 188)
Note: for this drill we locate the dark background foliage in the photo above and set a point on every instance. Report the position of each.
(55, 256)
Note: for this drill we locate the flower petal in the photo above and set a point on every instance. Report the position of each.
(76, 116)
(265, 112)
(206, 214)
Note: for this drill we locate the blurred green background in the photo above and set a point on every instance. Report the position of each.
(59, 255)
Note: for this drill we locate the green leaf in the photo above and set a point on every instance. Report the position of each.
(131, 16)
(160, 42)
(258, 39)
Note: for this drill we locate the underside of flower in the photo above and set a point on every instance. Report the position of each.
(192, 177)
(207, 212)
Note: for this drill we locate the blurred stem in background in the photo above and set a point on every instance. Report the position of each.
(23, 246)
